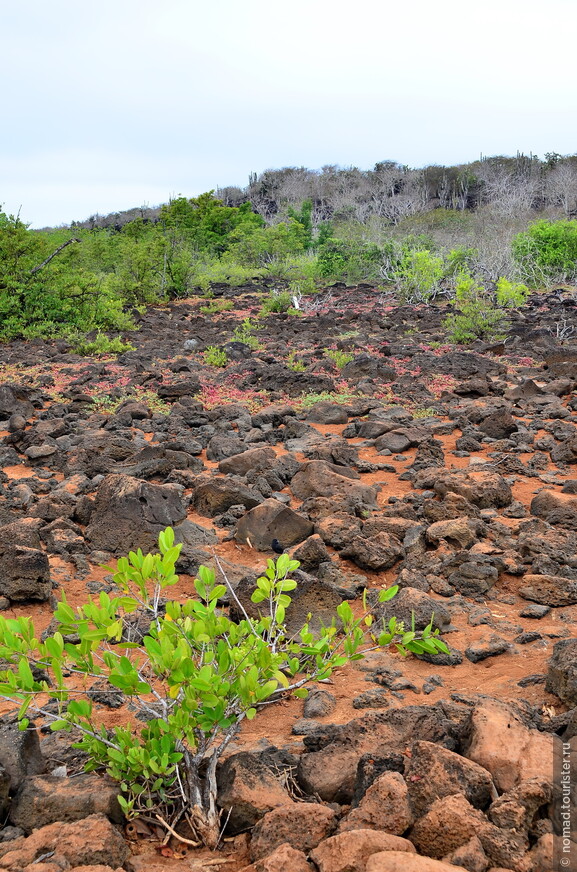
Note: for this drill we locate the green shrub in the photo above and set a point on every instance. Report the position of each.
(339, 358)
(294, 364)
(245, 332)
(277, 301)
(216, 306)
(193, 677)
(101, 344)
(547, 252)
(419, 276)
(510, 294)
(214, 356)
(476, 316)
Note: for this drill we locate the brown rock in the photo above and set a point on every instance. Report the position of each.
(502, 744)
(385, 806)
(283, 859)
(302, 825)
(458, 531)
(257, 459)
(349, 852)
(272, 520)
(549, 590)
(471, 856)
(43, 799)
(91, 841)
(248, 790)
(320, 479)
(433, 772)
(397, 861)
(130, 513)
(378, 553)
(556, 508)
(450, 823)
(484, 489)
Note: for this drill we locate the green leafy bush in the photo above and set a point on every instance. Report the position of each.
(339, 358)
(510, 294)
(277, 301)
(101, 344)
(214, 356)
(476, 316)
(547, 252)
(245, 332)
(193, 676)
(419, 276)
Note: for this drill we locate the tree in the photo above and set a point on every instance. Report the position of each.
(192, 673)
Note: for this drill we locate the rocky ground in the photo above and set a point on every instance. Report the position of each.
(375, 453)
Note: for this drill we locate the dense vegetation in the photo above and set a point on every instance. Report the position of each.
(480, 235)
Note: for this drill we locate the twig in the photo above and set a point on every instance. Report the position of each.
(54, 253)
(175, 834)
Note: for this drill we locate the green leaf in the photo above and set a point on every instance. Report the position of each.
(388, 594)
(301, 693)
(250, 713)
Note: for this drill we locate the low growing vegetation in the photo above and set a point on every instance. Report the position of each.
(193, 676)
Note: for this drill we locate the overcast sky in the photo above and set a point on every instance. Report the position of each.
(119, 103)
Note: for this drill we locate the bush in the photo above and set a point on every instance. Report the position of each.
(419, 276)
(101, 344)
(214, 356)
(277, 301)
(476, 317)
(547, 252)
(510, 294)
(339, 358)
(193, 676)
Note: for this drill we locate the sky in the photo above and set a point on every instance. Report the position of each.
(121, 103)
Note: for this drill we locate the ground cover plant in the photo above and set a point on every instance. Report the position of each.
(193, 674)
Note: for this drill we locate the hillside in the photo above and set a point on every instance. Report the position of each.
(378, 452)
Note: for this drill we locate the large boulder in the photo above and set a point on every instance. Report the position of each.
(433, 772)
(129, 514)
(549, 590)
(562, 671)
(320, 479)
(272, 520)
(501, 743)
(556, 508)
(377, 553)
(87, 842)
(385, 806)
(247, 790)
(44, 799)
(255, 459)
(213, 496)
(349, 852)
(487, 490)
(14, 401)
(302, 824)
(24, 570)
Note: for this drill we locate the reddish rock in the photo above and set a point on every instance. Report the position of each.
(43, 799)
(502, 744)
(433, 772)
(283, 859)
(302, 825)
(397, 861)
(349, 852)
(248, 790)
(91, 841)
(385, 806)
